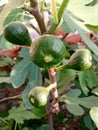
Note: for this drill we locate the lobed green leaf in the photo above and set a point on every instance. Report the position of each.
(20, 114)
(87, 79)
(25, 69)
(74, 104)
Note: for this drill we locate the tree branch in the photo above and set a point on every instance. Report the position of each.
(35, 11)
(9, 98)
(53, 105)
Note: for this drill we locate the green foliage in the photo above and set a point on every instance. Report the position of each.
(87, 79)
(9, 6)
(89, 123)
(4, 43)
(78, 91)
(20, 114)
(92, 27)
(44, 127)
(40, 112)
(83, 82)
(65, 78)
(94, 115)
(74, 103)
(95, 91)
(17, 14)
(25, 70)
(69, 20)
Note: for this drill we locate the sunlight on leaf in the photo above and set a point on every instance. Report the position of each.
(95, 91)
(8, 7)
(79, 7)
(94, 115)
(3, 2)
(91, 3)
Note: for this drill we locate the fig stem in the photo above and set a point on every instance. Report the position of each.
(51, 86)
(59, 14)
(54, 9)
(61, 67)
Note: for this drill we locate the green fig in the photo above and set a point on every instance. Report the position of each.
(38, 96)
(47, 51)
(17, 33)
(80, 60)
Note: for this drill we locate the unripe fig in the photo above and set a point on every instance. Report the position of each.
(47, 51)
(38, 96)
(80, 60)
(17, 33)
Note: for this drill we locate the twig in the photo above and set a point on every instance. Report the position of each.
(48, 9)
(15, 127)
(50, 116)
(64, 36)
(35, 11)
(69, 87)
(35, 28)
(4, 121)
(9, 98)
